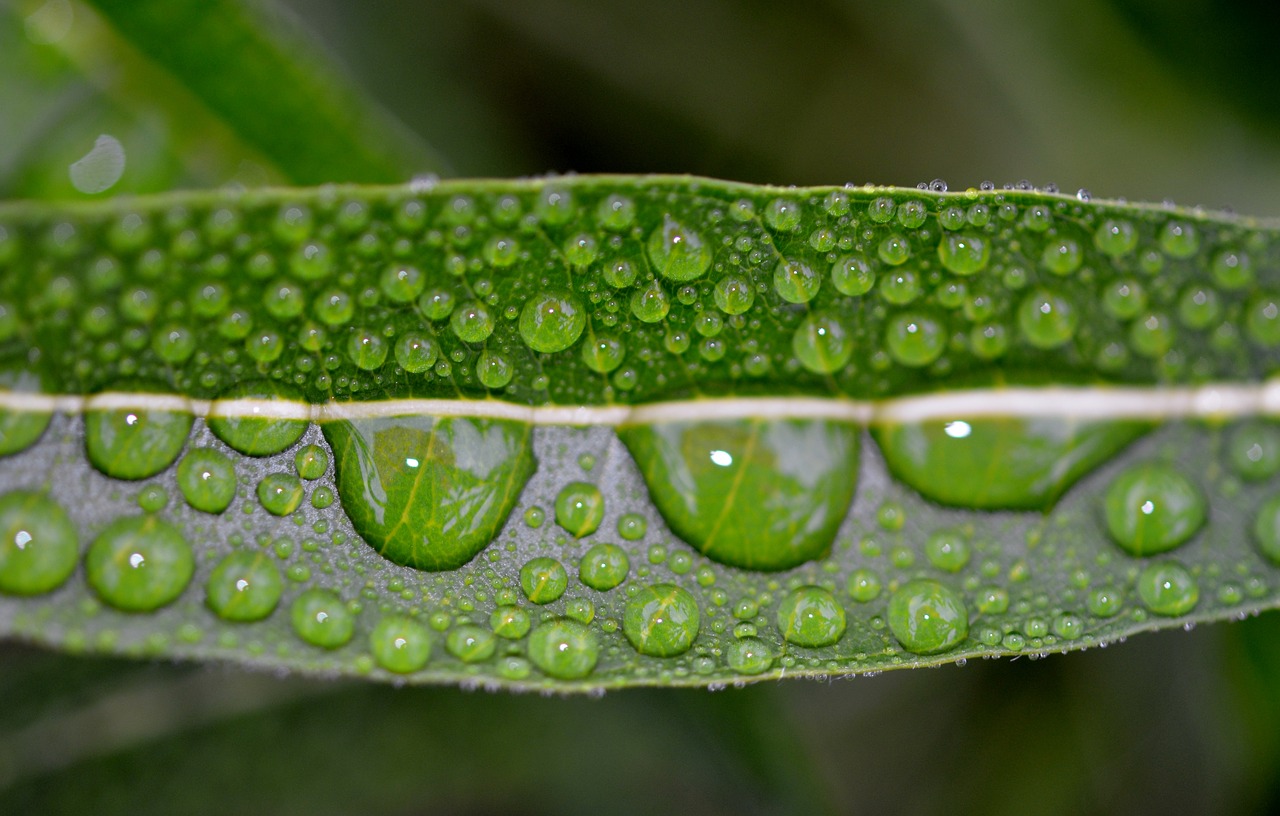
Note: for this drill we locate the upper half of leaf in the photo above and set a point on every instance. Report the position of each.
(678, 287)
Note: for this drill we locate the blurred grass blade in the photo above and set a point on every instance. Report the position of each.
(277, 90)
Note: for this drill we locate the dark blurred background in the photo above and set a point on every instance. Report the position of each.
(1143, 99)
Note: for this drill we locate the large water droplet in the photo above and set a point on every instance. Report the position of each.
(39, 547)
(245, 586)
(429, 493)
(758, 494)
(139, 563)
(661, 620)
(811, 616)
(1152, 508)
(927, 617)
(677, 252)
(1000, 463)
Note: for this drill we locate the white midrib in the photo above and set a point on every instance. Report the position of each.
(1214, 400)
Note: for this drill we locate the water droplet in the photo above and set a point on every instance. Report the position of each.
(1262, 318)
(1047, 319)
(894, 250)
(255, 433)
(400, 644)
(551, 321)
(604, 567)
(811, 616)
(822, 344)
(494, 370)
(632, 526)
(1124, 299)
(564, 649)
(1104, 603)
(1167, 588)
(367, 349)
(915, 339)
(1062, 256)
(1152, 335)
(964, 254)
(1179, 239)
(1266, 529)
(616, 213)
(436, 305)
(139, 564)
(510, 622)
(320, 618)
(795, 281)
(280, 493)
(99, 169)
(39, 546)
(852, 276)
(947, 550)
(734, 294)
(757, 494)
(429, 492)
(543, 580)
(749, 656)
(311, 462)
(1232, 269)
(603, 353)
(864, 585)
(927, 617)
(1253, 450)
(661, 620)
(650, 304)
(579, 508)
(470, 643)
(1024, 464)
(1115, 238)
(207, 479)
(677, 252)
(245, 586)
(134, 444)
(782, 215)
(472, 322)
(20, 429)
(1152, 508)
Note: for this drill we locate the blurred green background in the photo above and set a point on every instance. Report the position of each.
(1144, 99)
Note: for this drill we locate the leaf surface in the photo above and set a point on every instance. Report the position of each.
(722, 432)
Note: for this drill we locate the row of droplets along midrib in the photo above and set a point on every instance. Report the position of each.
(578, 292)
(1150, 508)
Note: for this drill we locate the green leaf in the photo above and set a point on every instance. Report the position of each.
(591, 432)
(279, 94)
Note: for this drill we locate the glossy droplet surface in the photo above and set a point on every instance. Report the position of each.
(964, 254)
(470, 643)
(20, 429)
(429, 493)
(39, 546)
(207, 479)
(400, 644)
(998, 463)
(580, 508)
(927, 617)
(604, 567)
(749, 656)
(250, 427)
(321, 618)
(1253, 450)
(1168, 588)
(564, 649)
(1152, 508)
(661, 620)
(822, 344)
(757, 494)
(139, 563)
(280, 493)
(543, 580)
(677, 252)
(552, 321)
(134, 444)
(245, 586)
(811, 616)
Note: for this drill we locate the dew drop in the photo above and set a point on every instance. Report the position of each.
(580, 508)
(245, 586)
(927, 617)
(400, 644)
(811, 616)
(677, 252)
(1151, 508)
(207, 479)
(1167, 588)
(139, 564)
(604, 567)
(661, 620)
(39, 546)
(321, 619)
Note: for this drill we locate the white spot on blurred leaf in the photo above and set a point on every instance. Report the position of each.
(101, 167)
